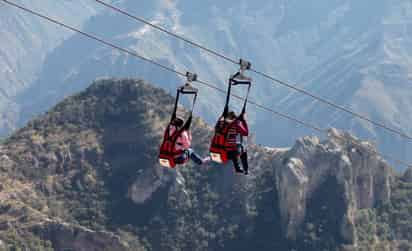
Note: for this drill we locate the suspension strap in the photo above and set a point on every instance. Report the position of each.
(193, 104)
(183, 90)
(244, 65)
(176, 105)
(190, 90)
(246, 99)
(226, 109)
(189, 120)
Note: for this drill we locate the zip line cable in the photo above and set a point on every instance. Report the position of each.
(135, 54)
(283, 115)
(162, 29)
(263, 74)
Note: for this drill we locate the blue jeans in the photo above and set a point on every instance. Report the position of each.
(189, 153)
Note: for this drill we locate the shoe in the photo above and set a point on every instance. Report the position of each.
(246, 172)
(206, 160)
(238, 170)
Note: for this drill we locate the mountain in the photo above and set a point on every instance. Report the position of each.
(84, 176)
(354, 53)
(26, 41)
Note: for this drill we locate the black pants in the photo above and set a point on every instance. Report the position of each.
(234, 157)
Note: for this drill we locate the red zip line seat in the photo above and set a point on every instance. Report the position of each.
(168, 152)
(220, 145)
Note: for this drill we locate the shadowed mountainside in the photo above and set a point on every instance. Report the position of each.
(84, 176)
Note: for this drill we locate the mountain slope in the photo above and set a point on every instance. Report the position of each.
(85, 176)
(26, 40)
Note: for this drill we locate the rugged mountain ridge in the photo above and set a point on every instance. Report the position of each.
(85, 176)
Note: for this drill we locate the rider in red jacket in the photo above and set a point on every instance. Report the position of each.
(237, 130)
(183, 144)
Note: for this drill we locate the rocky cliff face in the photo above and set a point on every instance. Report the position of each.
(363, 179)
(85, 176)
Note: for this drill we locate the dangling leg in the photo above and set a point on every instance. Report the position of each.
(235, 159)
(195, 157)
(245, 164)
(182, 158)
(237, 165)
(243, 158)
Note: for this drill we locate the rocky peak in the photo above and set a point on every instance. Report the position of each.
(362, 176)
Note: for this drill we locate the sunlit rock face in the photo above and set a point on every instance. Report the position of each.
(361, 179)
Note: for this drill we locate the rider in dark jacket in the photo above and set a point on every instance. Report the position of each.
(238, 129)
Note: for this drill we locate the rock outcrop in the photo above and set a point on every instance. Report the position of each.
(65, 236)
(364, 179)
